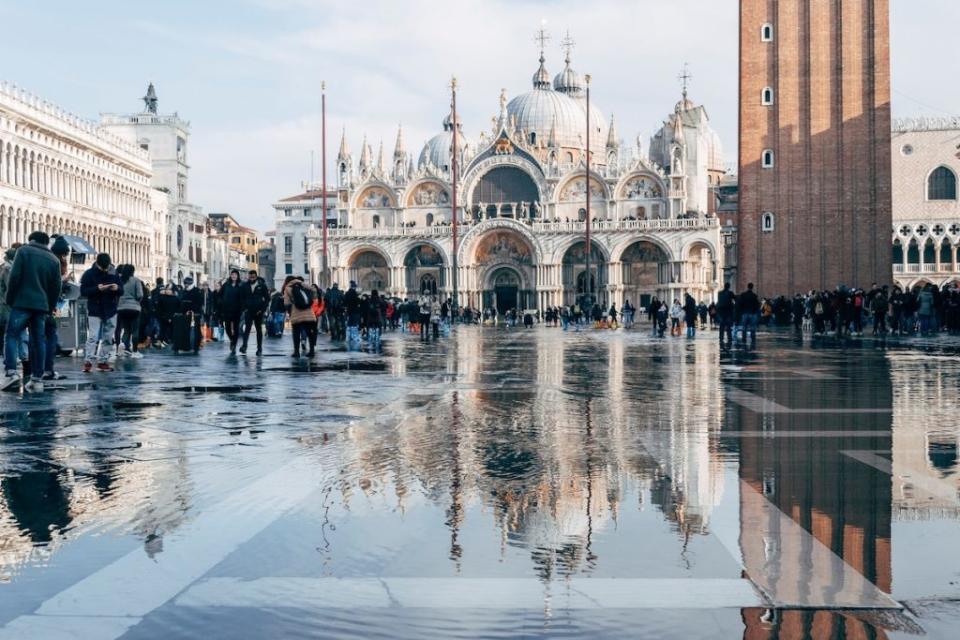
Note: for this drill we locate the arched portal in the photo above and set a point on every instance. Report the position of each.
(369, 270)
(505, 259)
(645, 273)
(503, 289)
(575, 274)
(423, 266)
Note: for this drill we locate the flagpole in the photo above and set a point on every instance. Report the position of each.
(453, 199)
(589, 249)
(325, 278)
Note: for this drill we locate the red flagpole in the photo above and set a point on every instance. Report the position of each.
(323, 164)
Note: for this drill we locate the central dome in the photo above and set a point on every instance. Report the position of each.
(537, 111)
(543, 108)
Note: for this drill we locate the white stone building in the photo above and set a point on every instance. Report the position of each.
(926, 211)
(62, 174)
(521, 209)
(165, 138)
(296, 217)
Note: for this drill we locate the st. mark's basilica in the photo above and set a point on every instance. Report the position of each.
(522, 199)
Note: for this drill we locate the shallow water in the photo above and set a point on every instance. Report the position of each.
(499, 483)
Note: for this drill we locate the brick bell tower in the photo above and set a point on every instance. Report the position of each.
(815, 192)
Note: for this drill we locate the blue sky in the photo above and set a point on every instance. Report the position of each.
(246, 73)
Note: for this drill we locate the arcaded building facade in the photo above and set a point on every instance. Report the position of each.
(62, 174)
(814, 168)
(926, 211)
(521, 206)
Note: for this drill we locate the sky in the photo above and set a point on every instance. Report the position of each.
(246, 74)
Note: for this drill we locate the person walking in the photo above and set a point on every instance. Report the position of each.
(749, 314)
(231, 308)
(128, 311)
(33, 288)
(333, 303)
(351, 303)
(375, 312)
(690, 315)
(102, 289)
(256, 300)
(676, 315)
(298, 298)
(724, 314)
(879, 305)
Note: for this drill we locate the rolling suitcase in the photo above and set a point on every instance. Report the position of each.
(186, 333)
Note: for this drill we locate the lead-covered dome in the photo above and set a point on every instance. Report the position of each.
(543, 108)
(437, 149)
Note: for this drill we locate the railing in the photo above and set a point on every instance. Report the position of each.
(925, 268)
(678, 224)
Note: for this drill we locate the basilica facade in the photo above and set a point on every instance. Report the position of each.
(522, 208)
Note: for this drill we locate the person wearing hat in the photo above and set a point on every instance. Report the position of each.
(33, 289)
(102, 289)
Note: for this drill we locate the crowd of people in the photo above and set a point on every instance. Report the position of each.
(126, 316)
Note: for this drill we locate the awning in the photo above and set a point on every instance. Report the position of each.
(79, 246)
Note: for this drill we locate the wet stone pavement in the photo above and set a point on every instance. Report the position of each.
(499, 483)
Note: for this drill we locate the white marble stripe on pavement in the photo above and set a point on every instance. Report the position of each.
(471, 593)
(759, 404)
(134, 585)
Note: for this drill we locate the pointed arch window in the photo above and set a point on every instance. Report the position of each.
(767, 159)
(766, 33)
(942, 184)
(766, 97)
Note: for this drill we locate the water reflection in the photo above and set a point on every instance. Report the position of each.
(544, 456)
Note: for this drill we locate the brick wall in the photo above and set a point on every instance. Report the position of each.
(829, 128)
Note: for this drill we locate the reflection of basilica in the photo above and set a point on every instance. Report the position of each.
(524, 182)
(552, 465)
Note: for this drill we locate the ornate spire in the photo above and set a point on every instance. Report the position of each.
(380, 166)
(150, 100)
(552, 141)
(344, 150)
(398, 150)
(612, 141)
(364, 155)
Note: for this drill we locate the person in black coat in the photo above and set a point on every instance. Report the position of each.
(230, 308)
(256, 300)
(102, 288)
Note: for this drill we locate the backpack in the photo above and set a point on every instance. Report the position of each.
(818, 308)
(302, 299)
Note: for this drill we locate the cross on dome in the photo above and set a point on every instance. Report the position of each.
(567, 44)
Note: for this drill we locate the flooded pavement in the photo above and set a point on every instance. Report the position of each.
(501, 483)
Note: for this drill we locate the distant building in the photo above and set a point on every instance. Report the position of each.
(165, 137)
(241, 239)
(267, 257)
(62, 174)
(296, 216)
(926, 210)
(815, 204)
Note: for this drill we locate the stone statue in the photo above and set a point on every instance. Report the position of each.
(503, 100)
